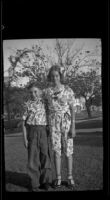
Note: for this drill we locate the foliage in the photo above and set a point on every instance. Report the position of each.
(14, 98)
(13, 124)
(29, 63)
(97, 99)
(87, 85)
(33, 63)
(72, 58)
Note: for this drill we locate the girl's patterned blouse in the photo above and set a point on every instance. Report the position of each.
(61, 100)
(34, 112)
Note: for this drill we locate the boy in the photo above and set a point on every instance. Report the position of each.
(35, 139)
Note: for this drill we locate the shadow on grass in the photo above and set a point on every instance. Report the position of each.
(22, 180)
(89, 139)
(89, 124)
(19, 179)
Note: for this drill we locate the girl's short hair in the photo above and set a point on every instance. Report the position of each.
(54, 68)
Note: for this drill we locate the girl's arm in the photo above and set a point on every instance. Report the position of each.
(71, 102)
(72, 128)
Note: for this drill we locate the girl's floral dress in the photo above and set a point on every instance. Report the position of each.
(60, 118)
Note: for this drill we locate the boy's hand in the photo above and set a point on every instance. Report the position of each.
(48, 130)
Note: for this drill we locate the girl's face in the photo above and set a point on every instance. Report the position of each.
(55, 77)
(35, 93)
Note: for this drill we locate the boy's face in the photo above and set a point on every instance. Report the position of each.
(35, 93)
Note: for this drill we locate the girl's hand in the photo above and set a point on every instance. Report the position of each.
(72, 133)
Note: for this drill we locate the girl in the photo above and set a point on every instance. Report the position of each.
(61, 122)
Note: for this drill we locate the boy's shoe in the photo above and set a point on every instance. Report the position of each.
(35, 189)
(45, 186)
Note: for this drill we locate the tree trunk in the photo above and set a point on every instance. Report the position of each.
(7, 104)
(8, 108)
(88, 108)
(8, 112)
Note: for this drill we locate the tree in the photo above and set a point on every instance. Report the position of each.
(87, 85)
(78, 65)
(14, 98)
(29, 63)
(82, 69)
(68, 55)
(97, 99)
(7, 99)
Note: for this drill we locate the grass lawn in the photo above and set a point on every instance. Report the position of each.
(97, 123)
(16, 124)
(87, 163)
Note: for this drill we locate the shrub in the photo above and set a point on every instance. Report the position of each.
(12, 124)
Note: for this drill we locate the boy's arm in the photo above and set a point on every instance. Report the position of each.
(47, 117)
(24, 118)
(24, 134)
(46, 109)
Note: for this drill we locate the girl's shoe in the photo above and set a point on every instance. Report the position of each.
(57, 182)
(71, 183)
(45, 186)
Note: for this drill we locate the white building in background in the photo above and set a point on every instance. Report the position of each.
(79, 104)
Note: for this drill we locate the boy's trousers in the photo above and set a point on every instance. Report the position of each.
(39, 163)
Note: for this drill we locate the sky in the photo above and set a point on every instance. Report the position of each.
(10, 46)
